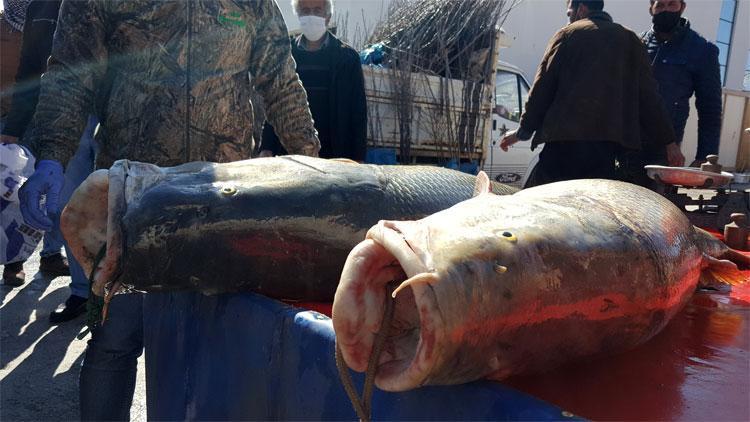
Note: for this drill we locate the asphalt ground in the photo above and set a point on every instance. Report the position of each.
(40, 362)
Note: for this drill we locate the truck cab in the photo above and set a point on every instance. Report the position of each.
(511, 92)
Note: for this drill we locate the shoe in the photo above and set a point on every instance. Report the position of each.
(13, 274)
(54, 265)
(74, 306)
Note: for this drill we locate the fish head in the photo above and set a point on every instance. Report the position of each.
(437, 268)
(83, 221)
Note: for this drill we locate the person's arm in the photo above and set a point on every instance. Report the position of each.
(541, 95)
(707, 82)
(41, 19)
(544, 89)
(75, 69)
(275, 78)
(357, 107)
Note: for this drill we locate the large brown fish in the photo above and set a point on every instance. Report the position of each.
(281, 226)
(500, 285)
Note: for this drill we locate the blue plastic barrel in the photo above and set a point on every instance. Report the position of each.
(381, 156)
(471, 167)
(243, 356)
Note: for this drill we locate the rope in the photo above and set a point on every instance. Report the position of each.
(98, 308)
(363, 406)
(95, 306)
(346, 380)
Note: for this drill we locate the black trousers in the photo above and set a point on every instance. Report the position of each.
(631, 162)
(571, 160)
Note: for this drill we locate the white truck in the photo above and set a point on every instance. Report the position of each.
(511, 92)
(449, 121)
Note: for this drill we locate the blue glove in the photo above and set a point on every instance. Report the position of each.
(47, 180)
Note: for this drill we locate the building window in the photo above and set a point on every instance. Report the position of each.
(724, 35)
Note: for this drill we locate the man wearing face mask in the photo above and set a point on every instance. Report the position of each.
(331, 73)
(593, 96)
(685, 63)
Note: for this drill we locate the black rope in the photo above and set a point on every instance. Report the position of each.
(95, 304)
(363, 406)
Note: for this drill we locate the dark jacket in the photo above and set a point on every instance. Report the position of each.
(41, 20)
(684, 65)
(595, 84)
(169, 81)
(347, 105)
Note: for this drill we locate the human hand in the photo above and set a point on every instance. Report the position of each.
(674, 155)
(47, 180)
(508, 140)
(8, 139)
(311, 150)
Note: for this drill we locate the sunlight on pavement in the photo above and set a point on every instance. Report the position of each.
(9, 296)
(32, 318)
(23, 355)
(71, 356)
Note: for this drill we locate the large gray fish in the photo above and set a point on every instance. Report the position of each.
(499, 285)
(282, 227)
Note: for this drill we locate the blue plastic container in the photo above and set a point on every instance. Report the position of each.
(471, 167)
(381, 156)
(243, 356)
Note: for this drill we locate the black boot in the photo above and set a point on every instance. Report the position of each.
(74, 306)
(13, 274)
(54, 265)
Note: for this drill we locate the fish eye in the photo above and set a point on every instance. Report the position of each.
(228, 190)
(509, 236)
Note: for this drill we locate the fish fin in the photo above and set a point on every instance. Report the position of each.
(715, 248)
(482, 184)
(722, 271)
(742, 260)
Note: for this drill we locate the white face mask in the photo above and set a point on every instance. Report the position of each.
(313, 27)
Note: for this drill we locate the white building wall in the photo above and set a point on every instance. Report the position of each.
(738, 56)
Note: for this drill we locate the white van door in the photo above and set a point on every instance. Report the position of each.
(511, 167)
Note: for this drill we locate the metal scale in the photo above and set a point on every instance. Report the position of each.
(708, 198)
(713, 210)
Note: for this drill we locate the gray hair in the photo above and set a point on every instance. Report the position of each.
(329, 7)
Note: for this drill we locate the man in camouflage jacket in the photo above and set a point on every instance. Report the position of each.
(169, 83)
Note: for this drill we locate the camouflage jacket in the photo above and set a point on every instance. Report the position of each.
(169, 81)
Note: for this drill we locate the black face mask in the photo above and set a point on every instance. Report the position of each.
(666, 21)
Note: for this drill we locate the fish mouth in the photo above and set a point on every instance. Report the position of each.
(412, 339)
(92, 219)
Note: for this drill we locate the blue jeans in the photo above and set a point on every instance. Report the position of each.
(78, 169)
(108, 373)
